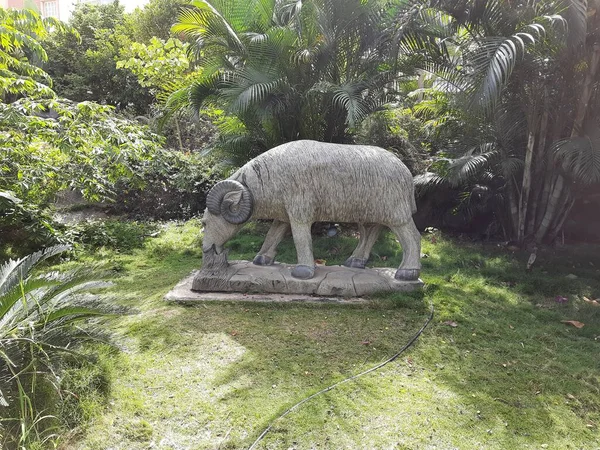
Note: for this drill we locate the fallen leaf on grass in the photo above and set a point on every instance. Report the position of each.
(366, 342)
(575, 323)
(320, 262)
(234, 333)
(450, 323)
(591, 302)
(561, 299)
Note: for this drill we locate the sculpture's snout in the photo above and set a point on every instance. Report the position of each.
(214, 258)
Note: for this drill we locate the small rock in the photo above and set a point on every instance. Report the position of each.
(571, 276)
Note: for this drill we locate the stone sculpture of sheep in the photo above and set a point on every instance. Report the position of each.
(302, 182)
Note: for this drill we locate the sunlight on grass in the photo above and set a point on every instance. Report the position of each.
(508, 375)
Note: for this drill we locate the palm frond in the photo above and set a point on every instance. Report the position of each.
(495, 60)
(577, 17)
(580, 158)
(249, 88)
(428, 182)
(207, 22)
(13, 271)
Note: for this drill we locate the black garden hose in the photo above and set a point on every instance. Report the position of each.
(354, 377)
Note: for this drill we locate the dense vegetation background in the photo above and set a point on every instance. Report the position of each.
(493, 104)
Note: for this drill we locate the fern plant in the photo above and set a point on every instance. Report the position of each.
(39, 318)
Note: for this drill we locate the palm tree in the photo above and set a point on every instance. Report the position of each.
(288, 70)
(530, 72)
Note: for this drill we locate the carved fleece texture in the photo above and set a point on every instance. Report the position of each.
(309, 181)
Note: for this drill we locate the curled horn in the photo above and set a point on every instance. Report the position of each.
(217, 204)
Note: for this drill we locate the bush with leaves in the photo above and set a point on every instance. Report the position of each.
(49, 144)
(395, 130)
(41, 320)
(121, 235)
(155, 19)
(174, 186)
(52, 145)
(86, 70)
(20, 49)
(163, 67)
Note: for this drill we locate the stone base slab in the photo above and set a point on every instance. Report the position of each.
(275, 283)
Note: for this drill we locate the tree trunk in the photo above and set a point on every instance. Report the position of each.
(582, 107)
(551, 209)
(586, 94)
(539, 164)
(549, 181)
(513, 200)
(561, 220)
(526, 189)
(178, 134)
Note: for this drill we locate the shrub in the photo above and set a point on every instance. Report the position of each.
(174, 186)
(38, 318)
(398, 132)
(116, 234)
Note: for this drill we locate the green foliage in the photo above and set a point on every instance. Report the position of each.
(56, 144)
(159, 64)
(155, 19)
(514, 92)
(40, 323)
(51, 144)
(286, 72)
(20, 49)
(163, 67)
(88, 71)
(114, 234)
(174, 186)
(24, 227)
(398, 131)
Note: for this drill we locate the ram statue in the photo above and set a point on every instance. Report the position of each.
(302, 182)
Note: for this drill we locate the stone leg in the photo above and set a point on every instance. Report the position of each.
(368, 236)
(266, 255)
(303, 242)
(410, 240)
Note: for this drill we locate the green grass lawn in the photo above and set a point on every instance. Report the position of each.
(214, 375)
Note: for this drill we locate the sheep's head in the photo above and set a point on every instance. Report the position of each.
(228, 206)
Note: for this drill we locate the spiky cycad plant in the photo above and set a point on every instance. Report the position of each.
(39, 317)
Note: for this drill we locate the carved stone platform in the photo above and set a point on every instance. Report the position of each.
(329, 281)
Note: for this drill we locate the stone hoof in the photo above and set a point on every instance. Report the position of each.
(355, 262)
(407, 274)
(303, 272)
(263, 260)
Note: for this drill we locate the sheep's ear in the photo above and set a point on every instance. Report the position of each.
(233, 198)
